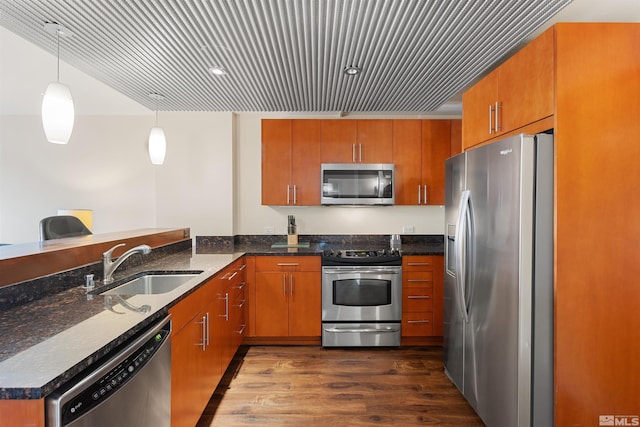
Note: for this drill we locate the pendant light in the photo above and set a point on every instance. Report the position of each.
(57, 105)
(157, 140)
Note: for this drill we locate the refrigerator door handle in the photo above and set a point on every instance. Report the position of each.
(469, 254)
(460, 244)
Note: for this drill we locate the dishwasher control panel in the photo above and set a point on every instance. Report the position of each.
(102, 383)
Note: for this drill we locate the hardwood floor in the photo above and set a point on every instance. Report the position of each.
(313, 386)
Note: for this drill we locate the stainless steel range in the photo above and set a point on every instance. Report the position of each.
(361, 298)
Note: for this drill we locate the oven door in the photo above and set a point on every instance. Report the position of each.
(361, 294)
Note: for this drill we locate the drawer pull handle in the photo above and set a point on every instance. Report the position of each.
(242, 267)
(417, 321)
(240, 305)
(241, 331)
(241, 285)
(235, 273)
(418, 280)
(288, 264)
(418, 296)
(418, 263)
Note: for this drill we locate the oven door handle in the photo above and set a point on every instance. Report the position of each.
(360, 271)
(356, 330)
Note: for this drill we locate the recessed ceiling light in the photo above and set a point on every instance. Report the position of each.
(218, 71)
(352, 70)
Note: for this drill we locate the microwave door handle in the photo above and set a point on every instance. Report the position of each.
(380, 184)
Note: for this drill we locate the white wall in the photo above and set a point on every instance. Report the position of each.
(104, 167)
(195, 184)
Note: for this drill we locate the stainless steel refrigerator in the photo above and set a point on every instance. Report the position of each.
(498, 297)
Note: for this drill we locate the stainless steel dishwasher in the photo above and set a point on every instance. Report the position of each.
(130, 388)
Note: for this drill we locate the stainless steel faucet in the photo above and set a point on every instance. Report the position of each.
(110, 265)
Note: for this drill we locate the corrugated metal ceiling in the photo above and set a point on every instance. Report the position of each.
(283, 55)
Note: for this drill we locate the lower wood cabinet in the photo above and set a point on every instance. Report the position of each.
(288, 296)
(422, 299)
(206, 334)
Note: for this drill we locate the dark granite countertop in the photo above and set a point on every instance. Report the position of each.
(48, 341)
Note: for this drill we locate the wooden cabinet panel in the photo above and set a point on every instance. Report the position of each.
(374, 141)
(436, 148)
(522, 89)
(417, 324)
(422, 296)
(272, 304)
(407, 144)
(276, 161)
(22, 413)
(305, 304)
(456, 137)
(305, 162)
(337, 139)
(527, 84)
(288, 296)
(288, 263)
(290, 162)
(477, 118)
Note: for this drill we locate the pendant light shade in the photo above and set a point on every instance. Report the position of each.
(157, 140)
(157, 145)
(58, 113)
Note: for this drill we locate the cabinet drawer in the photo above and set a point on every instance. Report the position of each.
(417, 279)
(417, 299)
(417, 324)
(417, 263)
(188, 308)
(288, 263)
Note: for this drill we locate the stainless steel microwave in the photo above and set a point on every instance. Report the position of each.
(357, 184)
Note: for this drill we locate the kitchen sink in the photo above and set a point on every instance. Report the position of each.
(152, 283)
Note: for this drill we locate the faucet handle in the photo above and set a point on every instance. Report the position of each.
(107, 254)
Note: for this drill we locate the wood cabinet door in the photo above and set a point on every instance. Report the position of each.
(190, 389)
(305, 304)
(456, 137)
(305, 162)
(475, 110)
(338, 139)
(271, 305)
(276, 161)
(407, 148)
(438, 295)
(526, 84)
(436, 148)
(374, 141)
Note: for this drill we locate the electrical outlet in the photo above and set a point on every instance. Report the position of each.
(408, 229)
(269, 229)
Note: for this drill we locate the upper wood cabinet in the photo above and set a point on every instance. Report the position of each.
(518, 92)
(420, 148)
(356, 141)
(290, 162)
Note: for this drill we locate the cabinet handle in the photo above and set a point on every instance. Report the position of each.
(353, 153)
(295, 195)
(418, 263)
(241, 285)
(490, 119)
(291, 284)
(242, 267)
(203, 335)
(284, 285)
(287, 264)
(226, 307)
(497, 116)
(425, 195)
(207, 329)
(360, 154)
(417, 296)
(240, 305)
(417, 321)
(241, 331)
(288, 188)
(235, 273)
(419, 192)
(418, 280)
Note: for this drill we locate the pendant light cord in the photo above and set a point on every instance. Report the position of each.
(58, 41)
